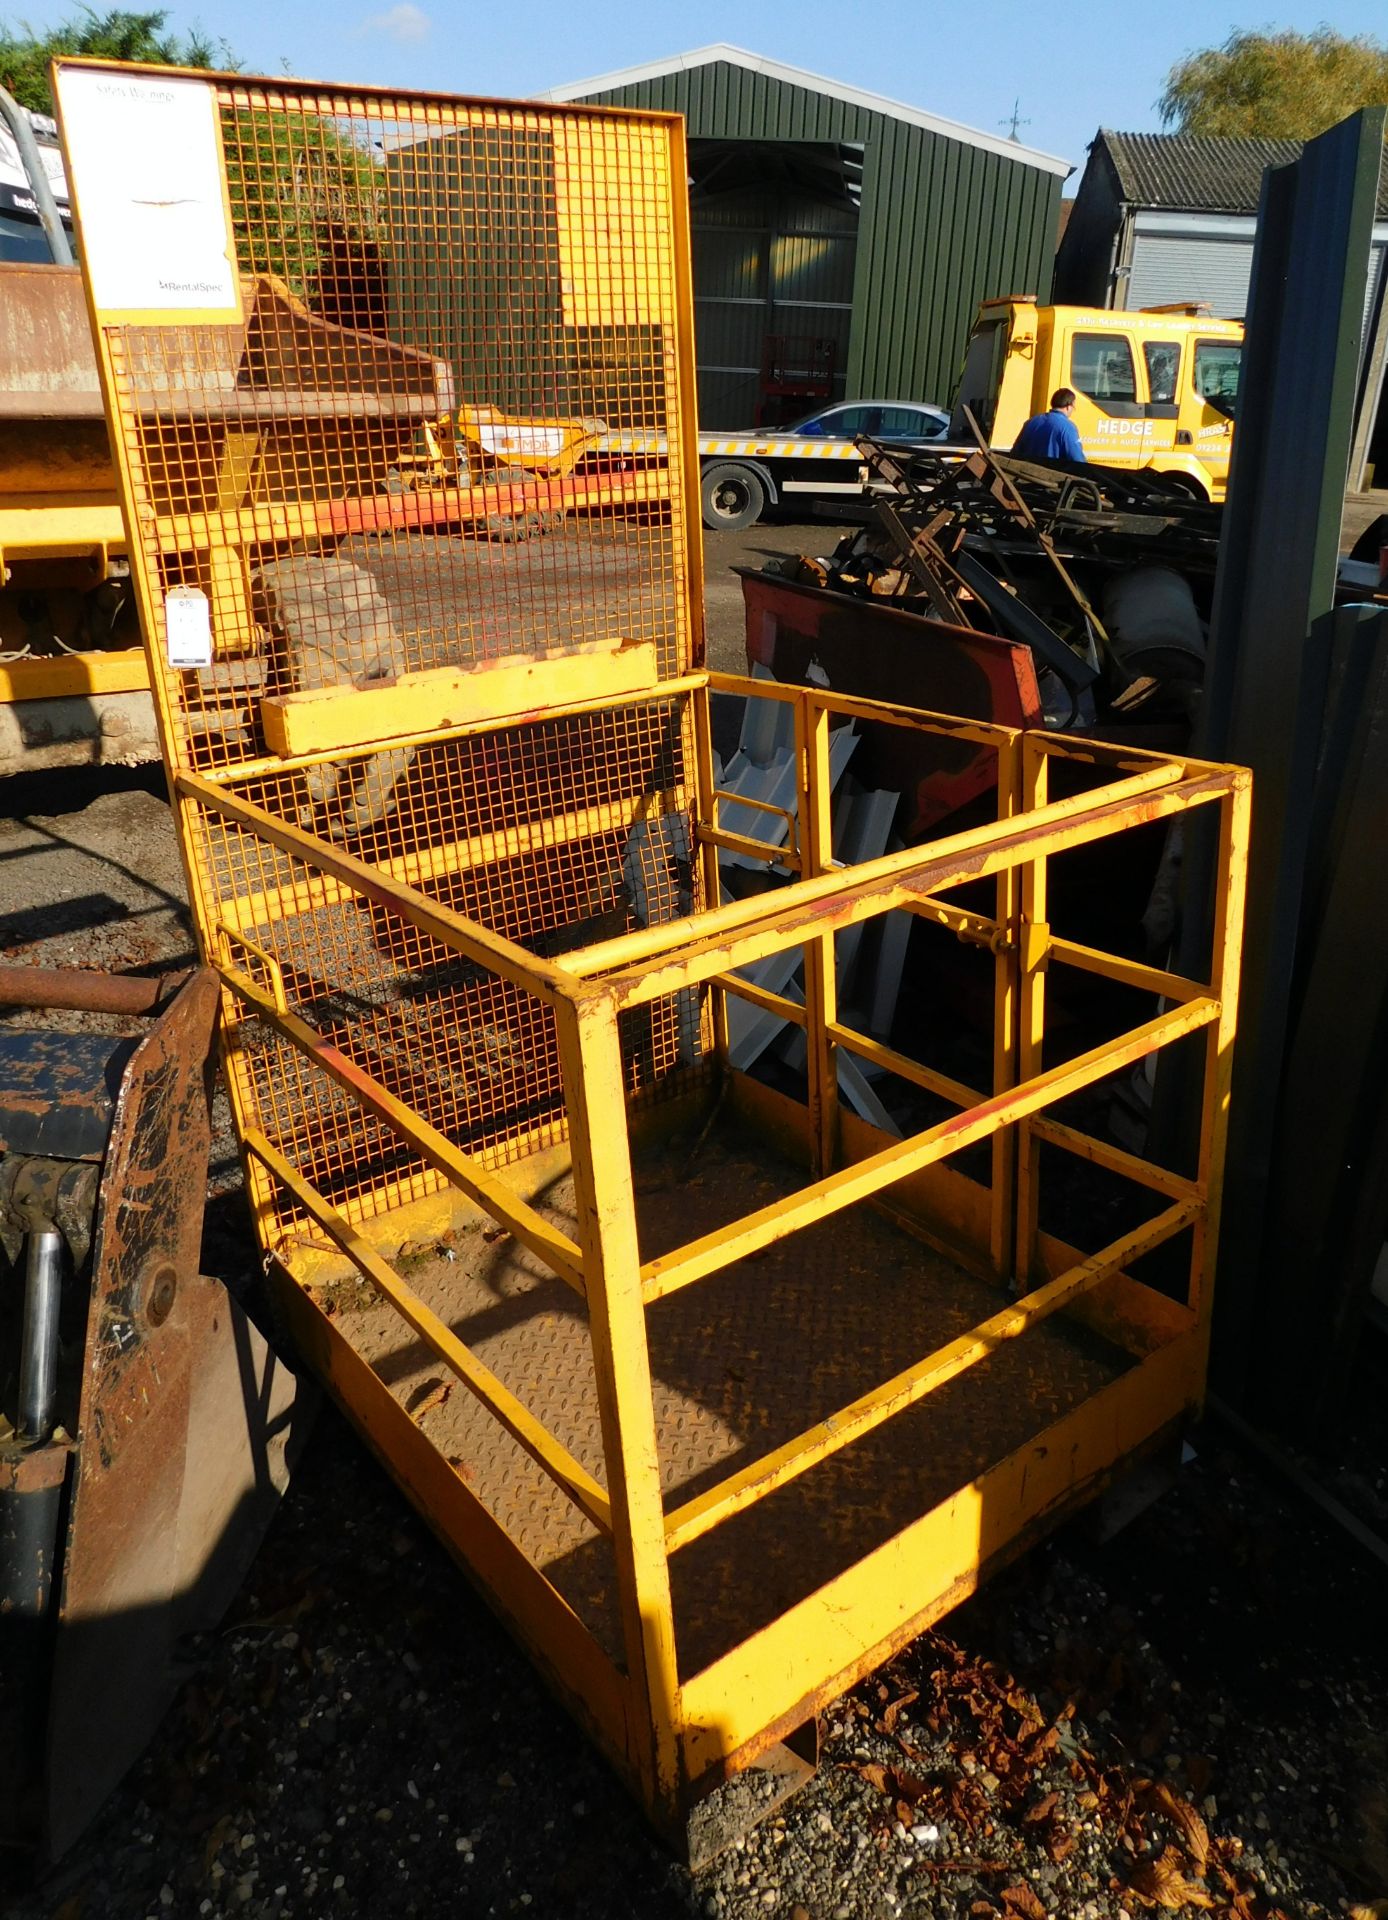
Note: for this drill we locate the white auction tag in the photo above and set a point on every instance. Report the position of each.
(187, 627)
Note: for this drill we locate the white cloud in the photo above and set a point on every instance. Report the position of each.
(404, 22)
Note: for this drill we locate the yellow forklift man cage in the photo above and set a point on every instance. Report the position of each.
(712, 1432)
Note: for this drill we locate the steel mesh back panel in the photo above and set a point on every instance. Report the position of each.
(374, 457)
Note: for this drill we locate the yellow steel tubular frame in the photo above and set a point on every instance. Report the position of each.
(407, 1042)
(697, 1718)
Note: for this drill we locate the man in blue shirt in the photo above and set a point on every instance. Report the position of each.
(1053, 435)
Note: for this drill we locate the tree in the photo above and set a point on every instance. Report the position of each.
(117, 35)
(295, 180)
(1275, 85)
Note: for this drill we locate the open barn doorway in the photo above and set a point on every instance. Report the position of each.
(775, 234)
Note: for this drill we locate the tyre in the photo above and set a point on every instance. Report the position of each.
(1187, 484)
(731, 497)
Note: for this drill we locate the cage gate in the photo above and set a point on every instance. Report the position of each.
(712, 1436)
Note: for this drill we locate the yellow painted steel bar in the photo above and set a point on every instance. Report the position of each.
(1084, 751)
(423, 702)
(490, 950)
(1003, 938)
(790, 852)
(423, 864)
(950, 861)
(540, 1616)
(684, 467)
(683, 1265)
(595, 1092)
(1055, 1133)
(775, 1003)
(904, 1066)
(49, 523)
(484, 1189)
(706, 809)
(982, 733)
(819, 1442)
(822, 1644)
(820, 970)
(547, 1452)
(783, 917)
(1230, 893)
(272, 763)
(1034, 777)
(70, 675)
(969, 926)
(751, 849)
(1129, 973)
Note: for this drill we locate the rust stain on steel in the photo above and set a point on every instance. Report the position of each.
(58, 1091)
(123, 1534)
(25, 1469)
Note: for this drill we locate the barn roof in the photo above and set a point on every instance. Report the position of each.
(778, 71)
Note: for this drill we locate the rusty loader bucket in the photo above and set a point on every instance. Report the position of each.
(717, 1389)
(143, 1421)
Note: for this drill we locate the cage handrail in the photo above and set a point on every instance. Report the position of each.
(549, 1454)
(802, 896)
(1146, 1173)
(764, 999)
(877, 1054)
(1127, 973)
(983, 733)
(682, 1266)
(907, 1388)
(647, 968)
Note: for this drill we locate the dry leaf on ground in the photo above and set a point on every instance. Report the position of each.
(1020, 1903)
(1162, 1883)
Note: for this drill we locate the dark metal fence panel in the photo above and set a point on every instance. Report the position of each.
(1266, 686)
(1328, 1206)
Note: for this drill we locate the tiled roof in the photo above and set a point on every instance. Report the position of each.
(1191, 173)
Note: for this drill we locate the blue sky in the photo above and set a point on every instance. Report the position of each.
(1072, 67)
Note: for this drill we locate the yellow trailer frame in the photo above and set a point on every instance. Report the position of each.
(418, 1063)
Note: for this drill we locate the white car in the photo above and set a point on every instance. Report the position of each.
(898, 422)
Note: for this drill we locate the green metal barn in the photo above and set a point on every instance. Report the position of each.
(842, 241)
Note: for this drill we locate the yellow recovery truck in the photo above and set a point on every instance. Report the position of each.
(1154, 389)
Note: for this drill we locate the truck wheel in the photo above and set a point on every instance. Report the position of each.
(1189, 485)
(732, 497)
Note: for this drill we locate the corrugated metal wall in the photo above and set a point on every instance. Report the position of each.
(943, 225)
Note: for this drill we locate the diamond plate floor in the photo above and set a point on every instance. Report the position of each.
(741, 1362)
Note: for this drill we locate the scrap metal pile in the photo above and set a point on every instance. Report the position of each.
(1106, 576)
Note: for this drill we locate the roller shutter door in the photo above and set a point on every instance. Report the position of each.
(1191, 266)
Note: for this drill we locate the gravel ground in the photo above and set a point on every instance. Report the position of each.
(1191, 1717)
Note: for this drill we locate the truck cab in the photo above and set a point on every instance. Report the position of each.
(1155, 388)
